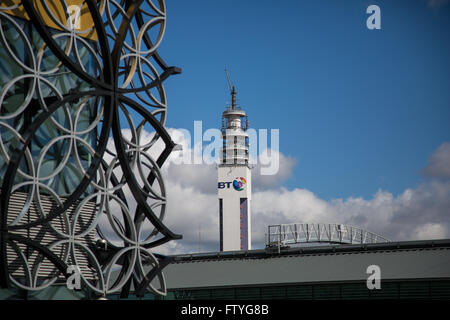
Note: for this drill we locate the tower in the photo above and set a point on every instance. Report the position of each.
(234, 179)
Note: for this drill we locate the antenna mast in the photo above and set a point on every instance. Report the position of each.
(228, 78)
(232, 91)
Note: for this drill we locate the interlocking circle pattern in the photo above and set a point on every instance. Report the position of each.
(82, 115)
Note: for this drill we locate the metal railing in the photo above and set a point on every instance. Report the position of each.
(285, 234)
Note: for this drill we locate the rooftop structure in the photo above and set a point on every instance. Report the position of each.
(297, 233)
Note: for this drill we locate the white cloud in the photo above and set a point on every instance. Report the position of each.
(439, 162)
(192, 197)
(403, 217)
(192, 208)
(278, 206)
(286, 166)
(194, 214)
(437, 3)
(421, 213)
(202, 178)
(396, 218)
(431, 231)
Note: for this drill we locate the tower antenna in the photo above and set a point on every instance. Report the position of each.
(232, 91)
(228, 78)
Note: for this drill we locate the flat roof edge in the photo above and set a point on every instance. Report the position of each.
(324, 249)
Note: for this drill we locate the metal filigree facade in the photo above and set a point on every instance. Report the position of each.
(82, 114)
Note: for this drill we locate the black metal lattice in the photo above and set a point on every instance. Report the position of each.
(82, 114)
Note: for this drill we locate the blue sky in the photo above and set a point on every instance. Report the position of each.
(360, 110)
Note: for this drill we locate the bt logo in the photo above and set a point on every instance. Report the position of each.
(238, 184)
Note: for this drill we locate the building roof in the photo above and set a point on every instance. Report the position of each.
(318, 264)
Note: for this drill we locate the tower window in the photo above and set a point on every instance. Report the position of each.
(244, 223)
(221, 223)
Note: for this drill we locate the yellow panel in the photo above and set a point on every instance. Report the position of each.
(80, 16)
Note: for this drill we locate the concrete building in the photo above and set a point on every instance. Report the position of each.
(408, 270)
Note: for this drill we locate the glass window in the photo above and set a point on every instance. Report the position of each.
(25, 99)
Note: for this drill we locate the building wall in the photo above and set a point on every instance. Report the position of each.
(412, 289)
(232, 223)
(409, 270)
(310, 268)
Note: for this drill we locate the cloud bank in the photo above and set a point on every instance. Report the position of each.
(418, 213)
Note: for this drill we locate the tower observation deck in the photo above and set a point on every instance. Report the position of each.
(234, 134)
